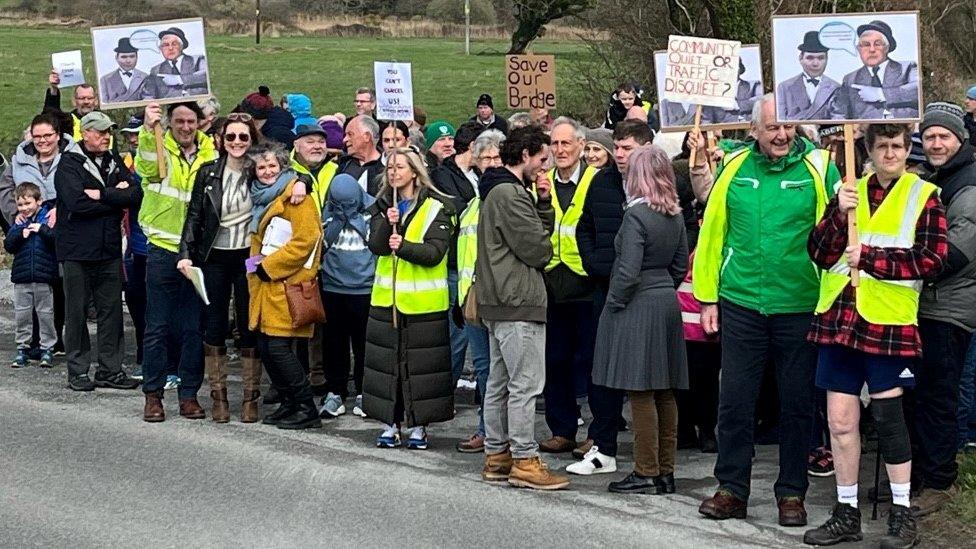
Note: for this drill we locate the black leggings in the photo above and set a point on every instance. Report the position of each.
(224, 273)
(283, 367)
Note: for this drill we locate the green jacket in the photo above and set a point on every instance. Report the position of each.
(165, 201)
(752, 249)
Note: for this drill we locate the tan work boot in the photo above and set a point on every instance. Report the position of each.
(215, 364)
(930, 500)
(251, 375)
(497, 467)
(533, 473)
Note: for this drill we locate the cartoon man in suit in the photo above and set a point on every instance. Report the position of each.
(746, 94)
(807, 96)
(125, 83)
(179, 75)
(883, 88)
(677, 114)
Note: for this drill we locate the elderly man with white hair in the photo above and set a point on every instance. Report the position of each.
(362, 159)
(753, 272)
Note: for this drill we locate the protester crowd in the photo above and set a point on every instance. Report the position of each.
(711, 288)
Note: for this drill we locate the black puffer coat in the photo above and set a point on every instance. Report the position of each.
(603, 211)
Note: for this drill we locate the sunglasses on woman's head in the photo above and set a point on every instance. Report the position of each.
(239, 117)
(242, 137)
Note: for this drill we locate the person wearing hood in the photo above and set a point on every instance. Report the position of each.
(300, 107)
(274, 122)
(347, 281)
(946, 317)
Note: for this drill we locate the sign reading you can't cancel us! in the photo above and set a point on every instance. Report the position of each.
(530, 81)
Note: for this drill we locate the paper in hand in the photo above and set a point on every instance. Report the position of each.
(68, 65)
(195, 274)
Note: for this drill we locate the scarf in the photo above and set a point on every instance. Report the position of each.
(344, 209)
(263, 195)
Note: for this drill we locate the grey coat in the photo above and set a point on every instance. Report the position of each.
(114, 90)
(900, 87)
(674, 114)
(792, 102)
(746, 95)
(640, 341)
(193, 71)
(24, 167)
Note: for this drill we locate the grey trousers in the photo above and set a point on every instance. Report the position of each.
(30, 297)
(515, 381)
(101, 282)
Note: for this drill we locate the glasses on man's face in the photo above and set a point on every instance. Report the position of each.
(494, 158)
(43, 137)
(877, 44)
(239, 117)
(242, 137)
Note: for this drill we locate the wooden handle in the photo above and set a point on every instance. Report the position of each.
(160, 151)
(849, 176)
(396, 323)
(711, 148)
(697, 131)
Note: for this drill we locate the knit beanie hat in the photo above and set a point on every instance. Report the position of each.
(946, 115)
(440, 128)
(258, 104)
(485, 99)
(602, 137)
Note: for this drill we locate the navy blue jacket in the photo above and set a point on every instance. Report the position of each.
(34, 259)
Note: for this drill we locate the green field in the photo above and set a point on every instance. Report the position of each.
(446, 82)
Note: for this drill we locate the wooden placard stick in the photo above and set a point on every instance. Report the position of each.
(849, 177)
(696, 131)
(389, 162)
(712, 143)
(160, 150)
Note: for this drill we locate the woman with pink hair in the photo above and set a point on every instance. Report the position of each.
(640, 345)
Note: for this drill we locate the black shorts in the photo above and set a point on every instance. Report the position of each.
(844, 370)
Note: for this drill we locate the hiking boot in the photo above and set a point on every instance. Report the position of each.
(118, 380)
(557, 445)
(190, 408)
(593, 462)
(80, 383)
(473, 445)
(902, 530)
(843, 525)
(497, 467)
(533, 473)
(930, 500)
(791, 511)
(332, 407)
(633, 484)
(20, 359)
(580, 451)
(47, 359)
(723, 505)
(820, 463)
(153, 410)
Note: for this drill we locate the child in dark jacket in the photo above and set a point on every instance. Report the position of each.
(35, 267)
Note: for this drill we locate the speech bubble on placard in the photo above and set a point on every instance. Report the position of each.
(839, 36)
(145, 39)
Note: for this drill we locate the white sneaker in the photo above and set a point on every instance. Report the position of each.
(579, 422)
(593, 463)
(332, 406)
(357, 410)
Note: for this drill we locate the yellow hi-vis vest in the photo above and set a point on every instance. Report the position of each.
(320, 185)
(564, 247)
(884, 302)
(467, 247)
(419, 289)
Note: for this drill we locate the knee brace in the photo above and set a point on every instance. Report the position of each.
(893, 438)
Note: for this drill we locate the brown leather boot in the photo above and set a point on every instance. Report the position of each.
(215, 363)
(190, 409)
(153, 411)
(533, 473)
(251, 375)
(497, 467)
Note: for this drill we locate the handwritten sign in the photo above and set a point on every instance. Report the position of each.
(703, 71)
(530, 81)
(394, 91)
(68, 65)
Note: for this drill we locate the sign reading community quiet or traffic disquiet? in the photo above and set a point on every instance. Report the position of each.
(530, 81)
(703, 71)
(394, 91)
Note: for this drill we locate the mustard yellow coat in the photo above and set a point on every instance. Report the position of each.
(268, 309)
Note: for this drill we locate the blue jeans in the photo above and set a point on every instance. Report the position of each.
(967, 397)
(478, 340)
(459, 338)
(173, 309)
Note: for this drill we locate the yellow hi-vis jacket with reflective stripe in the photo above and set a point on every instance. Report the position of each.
(884, 302)
(419, 289)
(320, 187)
(467, 247)
(564, 247)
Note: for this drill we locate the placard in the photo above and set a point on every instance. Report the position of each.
(530, 81)
(68, 65)
(394, 91)
(847, 68)
(701, 71)
(141, 63)
(680, 116)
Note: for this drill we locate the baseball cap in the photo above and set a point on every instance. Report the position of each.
(96, 120)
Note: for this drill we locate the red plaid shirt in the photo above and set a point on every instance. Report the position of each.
(841, 324)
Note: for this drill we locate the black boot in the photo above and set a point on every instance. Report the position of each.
(902, 530)
(285, 409)
(844, 524)
(707, 442)
(664, 484)
(272, 396)
(633, 484)
(306, 416)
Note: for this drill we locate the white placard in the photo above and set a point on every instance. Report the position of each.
(68, 65)
(702, 71)
(394, 91)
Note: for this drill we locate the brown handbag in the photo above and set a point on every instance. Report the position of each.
(471, 308)
(305, 300)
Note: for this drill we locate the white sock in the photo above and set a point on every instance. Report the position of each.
(847, 494)
(900, 494)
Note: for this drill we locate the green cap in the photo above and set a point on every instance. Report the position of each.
(437, 130)
(96, 120)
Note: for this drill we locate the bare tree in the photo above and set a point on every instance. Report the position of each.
(532, 16)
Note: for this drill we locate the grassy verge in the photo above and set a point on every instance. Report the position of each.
(955, 526)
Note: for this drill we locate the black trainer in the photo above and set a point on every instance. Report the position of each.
(306, 416)
(634, 484)
(844, 524)
(80, 383)
(118, 380)
(285, 409)
(902, 530)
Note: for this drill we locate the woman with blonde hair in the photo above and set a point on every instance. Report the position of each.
(640, 345)
(408, 353)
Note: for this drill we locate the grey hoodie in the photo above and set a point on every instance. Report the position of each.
(24, 166)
